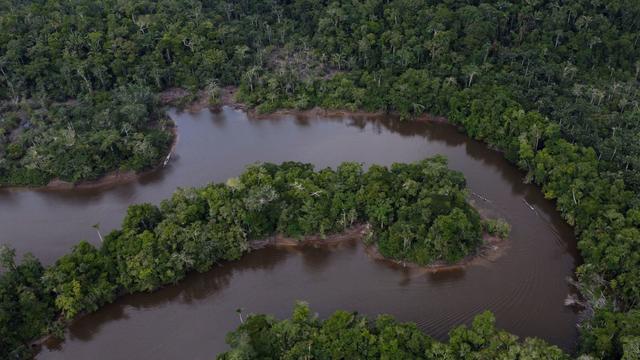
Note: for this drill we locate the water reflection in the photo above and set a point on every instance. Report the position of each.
(525, 288)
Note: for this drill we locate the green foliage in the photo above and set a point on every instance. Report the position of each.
(612, 335)
(552, 85)
(484, 341)
(197, 228)
(454, 235)
(496, 227)
(345, 335)
(123, 130)
(26, 306)
(596, 202)
(577, 63)
(81, 281)
(419, 212)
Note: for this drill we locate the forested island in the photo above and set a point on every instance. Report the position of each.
(413, 212)
(554, 85)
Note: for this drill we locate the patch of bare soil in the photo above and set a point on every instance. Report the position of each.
(228, 98)
(195, 102)
(491, 249)
(356, 231)
(172, 95)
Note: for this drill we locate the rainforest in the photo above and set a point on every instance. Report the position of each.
(552, 85)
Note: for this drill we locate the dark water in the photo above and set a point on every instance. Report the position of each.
(525, 288)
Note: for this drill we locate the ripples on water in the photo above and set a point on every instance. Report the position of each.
(525, 288)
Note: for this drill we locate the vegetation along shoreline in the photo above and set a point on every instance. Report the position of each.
(416, 213)
(553, 85)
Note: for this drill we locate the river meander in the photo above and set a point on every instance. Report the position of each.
(525, 287)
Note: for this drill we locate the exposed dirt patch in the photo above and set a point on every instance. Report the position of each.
(116, 177)
(356, 231)
(172, 95)
(228, 98)
(186, 100)
(491, 249)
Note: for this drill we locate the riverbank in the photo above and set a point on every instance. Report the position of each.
(223, 134)
(356, 231)
(489, 251)
(352, 234)
(110, 179)
(197, 103)
(492, 248)
(228, 94)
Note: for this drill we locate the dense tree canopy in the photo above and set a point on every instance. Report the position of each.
(26, 306)
(415, 212)
(576, 62)
(82, 140)
(553, 84)
(345, 335)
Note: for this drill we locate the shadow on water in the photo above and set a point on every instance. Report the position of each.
(525, 288)
(193, 288)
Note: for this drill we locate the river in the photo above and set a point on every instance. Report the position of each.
(525, 287)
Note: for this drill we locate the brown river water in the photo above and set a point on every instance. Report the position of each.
(525, 287)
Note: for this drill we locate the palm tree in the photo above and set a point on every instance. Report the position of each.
(213, 90)
(337, 60)
(623, 104)
(471, 71)
(583, 22)
(450, 81)
(228, 9)
(594, 41)
(569, 70)
(577, 90)
(239, 311)
(418, 108)
(97, 227)
(251, 76)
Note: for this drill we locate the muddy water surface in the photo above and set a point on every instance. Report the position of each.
(525, 288)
